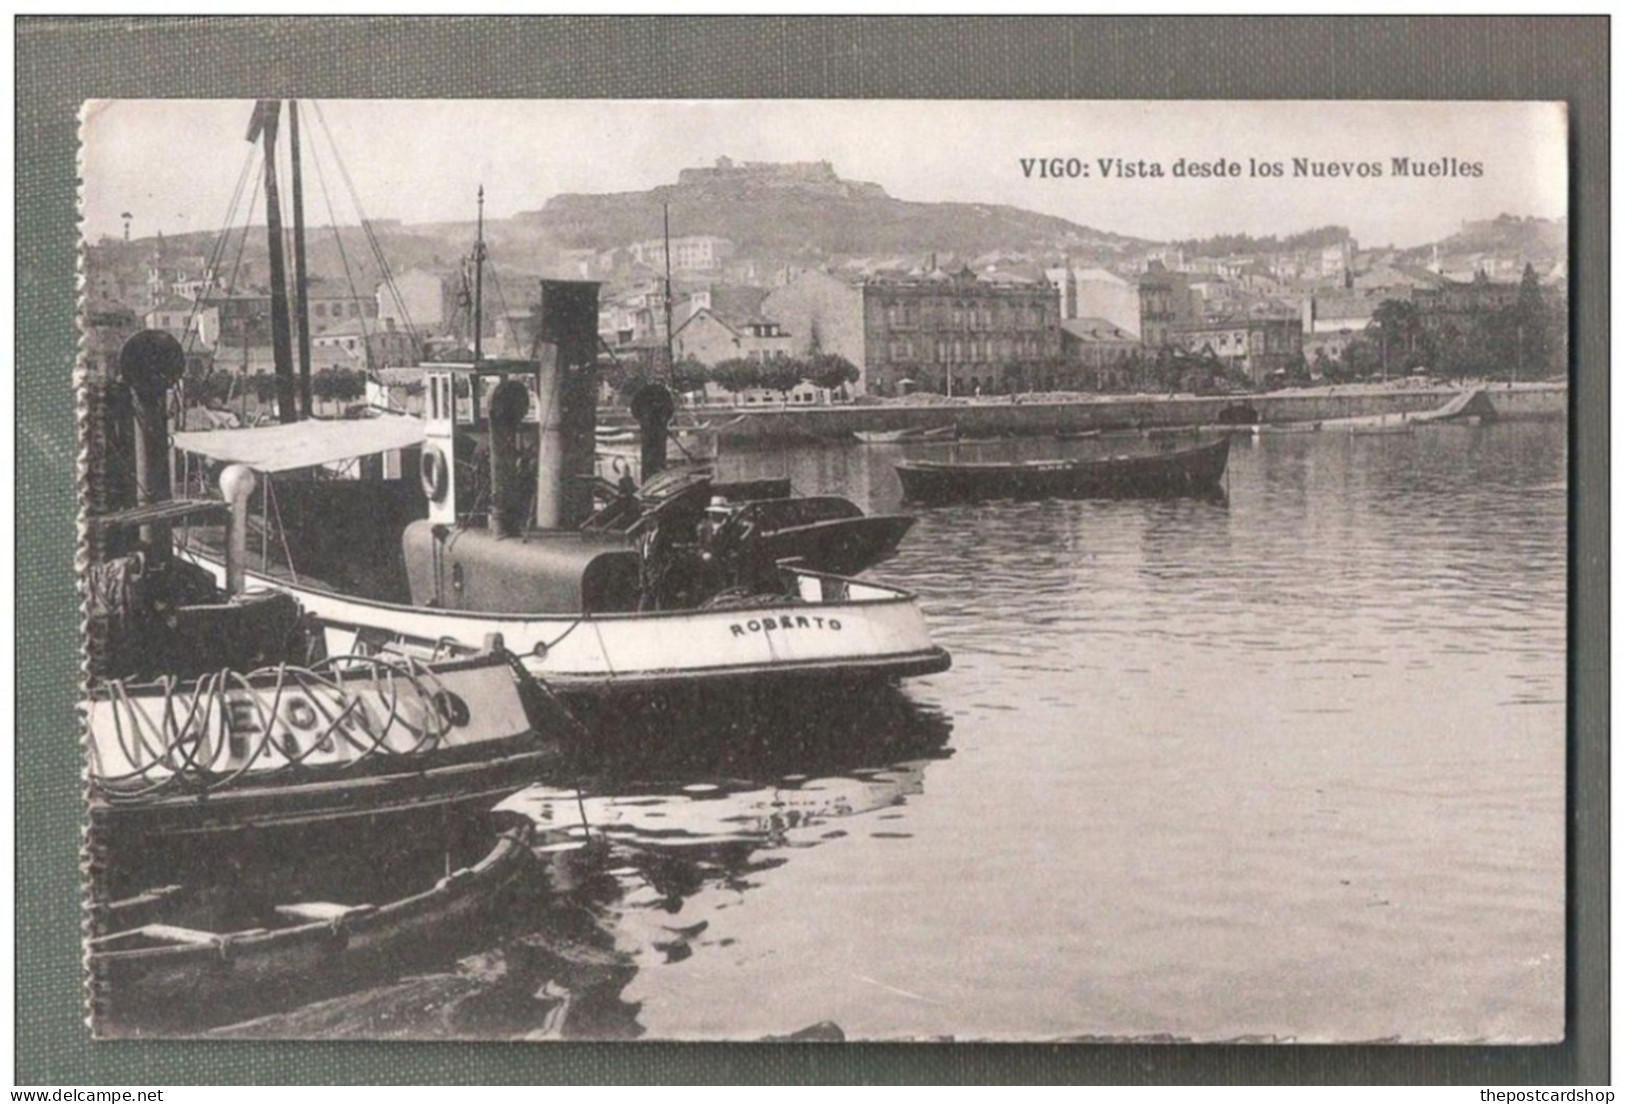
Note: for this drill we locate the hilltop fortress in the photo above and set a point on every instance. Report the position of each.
(813, 176)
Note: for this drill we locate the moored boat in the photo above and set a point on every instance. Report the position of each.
(634, 608)
(487, 536)
(205, 710)
(618, 450)
(901, 436)
(342, 738)
(1183, 472)
(173, 956)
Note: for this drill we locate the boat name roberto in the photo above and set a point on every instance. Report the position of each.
(799, 621)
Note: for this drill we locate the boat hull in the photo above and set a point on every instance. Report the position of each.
(1186, 472)
(156, 974)
(829, 628)
(289, 746)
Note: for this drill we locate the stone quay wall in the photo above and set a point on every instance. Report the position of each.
(1036, 416)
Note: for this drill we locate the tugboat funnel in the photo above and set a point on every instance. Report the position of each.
(567, 398)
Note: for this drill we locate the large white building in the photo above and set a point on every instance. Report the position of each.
(696, 253)
(419, 300)
(1099, 294)
(192, 323)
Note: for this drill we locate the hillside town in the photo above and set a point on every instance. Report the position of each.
(757, 321)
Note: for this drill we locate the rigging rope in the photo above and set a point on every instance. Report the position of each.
(217, 251)
(366, 224)
(344, 256)
(169, 747)
(501, 298)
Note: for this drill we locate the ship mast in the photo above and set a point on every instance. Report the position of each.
(665, 221)
(479, 272)
(264, 123)
(300, 304)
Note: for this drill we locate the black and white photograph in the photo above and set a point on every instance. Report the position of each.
(1052, 571)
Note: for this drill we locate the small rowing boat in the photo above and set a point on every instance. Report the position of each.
(900, 436)
(1183, 472)
(161, 959)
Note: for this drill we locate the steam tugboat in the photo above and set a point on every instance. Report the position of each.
(492, 512)
(207, 711)
(474, 522)
(254, 812)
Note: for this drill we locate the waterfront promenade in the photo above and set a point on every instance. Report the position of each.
(1032, 415)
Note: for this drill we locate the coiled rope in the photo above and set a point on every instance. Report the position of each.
(169, 737)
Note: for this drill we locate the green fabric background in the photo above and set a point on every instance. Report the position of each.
(63, 61)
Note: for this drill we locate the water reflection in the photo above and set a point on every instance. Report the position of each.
(652, 826)
(1317, 731)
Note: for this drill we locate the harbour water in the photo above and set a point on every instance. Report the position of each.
(1285, 766)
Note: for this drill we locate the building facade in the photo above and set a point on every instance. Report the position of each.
(949, 333)
(418, 300)
(1255, 347)
(1102, 357)
(192, 323)
(696, 253)
(1165, 302)
(1453, 304)
(1097, 294)
(956, 334)
(823, 313)
(711, 339)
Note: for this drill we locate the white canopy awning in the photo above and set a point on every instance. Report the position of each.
(277, 448)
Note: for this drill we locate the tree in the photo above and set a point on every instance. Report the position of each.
(831, 371)
(1362, 357)
(1526, 326)
(335, 384)
(689, 374)
(1401, 340)
(208, 388)
(1134, 370)
(737, 374)
(262, 385)
(782, 376)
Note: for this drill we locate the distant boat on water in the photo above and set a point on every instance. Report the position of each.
(1381, 429)
(899, 436)
(1185, 472)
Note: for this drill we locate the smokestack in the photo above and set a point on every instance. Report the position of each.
(510, 402)
(567, 394)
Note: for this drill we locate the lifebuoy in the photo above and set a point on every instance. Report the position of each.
(432, 471)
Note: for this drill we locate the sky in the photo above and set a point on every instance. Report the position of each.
(173, 164)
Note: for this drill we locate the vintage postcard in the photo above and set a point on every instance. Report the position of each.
(825, 570)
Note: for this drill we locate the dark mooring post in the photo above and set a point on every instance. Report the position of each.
(150, 363)
(266, 113)
(300, 306)
(653, 406)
